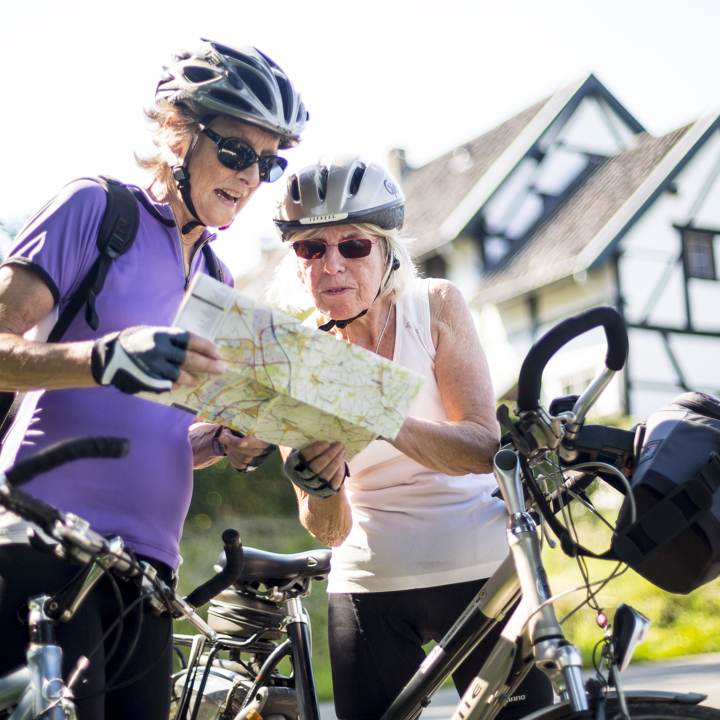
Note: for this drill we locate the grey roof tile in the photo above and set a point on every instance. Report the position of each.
(551, 253)
(434, 190)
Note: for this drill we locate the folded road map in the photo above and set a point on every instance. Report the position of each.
(285, 383)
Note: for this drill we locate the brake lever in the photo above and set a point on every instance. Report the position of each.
(520, 443)
(38, 542)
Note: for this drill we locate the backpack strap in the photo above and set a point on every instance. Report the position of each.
(9, 404)
(212, 263)
(116, 234)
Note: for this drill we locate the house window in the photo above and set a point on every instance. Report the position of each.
(577, 383)
(698, 254)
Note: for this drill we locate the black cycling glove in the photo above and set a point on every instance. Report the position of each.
(301, 475)
(140, 358)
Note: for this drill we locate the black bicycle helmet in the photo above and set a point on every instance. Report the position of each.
(241, 83)
(340, 190)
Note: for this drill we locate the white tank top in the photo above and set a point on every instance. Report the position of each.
(414, 527)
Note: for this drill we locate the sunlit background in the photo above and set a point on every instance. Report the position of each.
(419, 75)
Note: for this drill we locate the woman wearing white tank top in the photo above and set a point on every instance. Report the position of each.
(414, 529)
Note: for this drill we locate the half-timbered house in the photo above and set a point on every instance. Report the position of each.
(570, 204)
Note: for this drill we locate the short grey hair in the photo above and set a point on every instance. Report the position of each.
(287, 289)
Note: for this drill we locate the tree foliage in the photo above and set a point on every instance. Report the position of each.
(221, 492)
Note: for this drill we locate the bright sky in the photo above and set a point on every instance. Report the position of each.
(418, 74)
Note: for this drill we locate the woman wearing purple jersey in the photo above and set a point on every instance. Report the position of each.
(221, 114)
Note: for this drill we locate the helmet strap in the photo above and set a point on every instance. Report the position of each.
(182, 178)
(342, 324)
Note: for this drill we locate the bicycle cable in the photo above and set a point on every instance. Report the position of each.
(560, 488)
(118, 624)
(108, 687)
(132, 648)
(160, 589)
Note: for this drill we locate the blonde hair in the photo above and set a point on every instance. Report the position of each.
(179, 131)
(287, 290)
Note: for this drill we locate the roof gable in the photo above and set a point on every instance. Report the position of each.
(444, 196)
(586, 227)
(434, 190)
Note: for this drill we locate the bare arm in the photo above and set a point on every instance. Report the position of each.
(24, 365)
(468, 440)
(27, 365)
(326, 519)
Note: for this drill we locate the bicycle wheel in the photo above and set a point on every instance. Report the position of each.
(645, 708)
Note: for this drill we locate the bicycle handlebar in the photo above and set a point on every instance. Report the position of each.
(74, 534)
(227, 576)
(534, 364)
(63, 452)
(30, 508)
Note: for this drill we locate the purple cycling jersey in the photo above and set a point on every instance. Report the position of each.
(143, 497)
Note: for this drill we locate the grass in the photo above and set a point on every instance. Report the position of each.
(681, 624)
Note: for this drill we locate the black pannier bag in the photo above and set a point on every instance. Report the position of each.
(675, 541)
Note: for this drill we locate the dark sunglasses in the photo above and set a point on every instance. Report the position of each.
(352, 248)
(236, 154)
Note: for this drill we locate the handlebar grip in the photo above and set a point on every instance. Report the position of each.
(30, 508)
(540, 353)
(63, 452)
(234, 565)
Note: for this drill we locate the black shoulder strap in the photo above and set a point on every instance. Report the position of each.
(117, 233)
(213, 264)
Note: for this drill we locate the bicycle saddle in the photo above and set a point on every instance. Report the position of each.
(264, 566)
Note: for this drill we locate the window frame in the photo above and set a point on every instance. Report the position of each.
(692, 237)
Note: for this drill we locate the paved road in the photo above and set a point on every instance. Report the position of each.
(699, 673)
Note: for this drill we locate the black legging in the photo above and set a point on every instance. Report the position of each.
(376, 644)
(27, 572)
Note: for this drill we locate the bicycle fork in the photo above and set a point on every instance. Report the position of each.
(555, 656)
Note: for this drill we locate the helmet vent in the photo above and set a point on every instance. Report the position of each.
(235, 79)
(322, 178)
(232, 53)
(259, 89)
(356, 179)
(286, 98)
(233, 100)
(294, 188)
(199, 75)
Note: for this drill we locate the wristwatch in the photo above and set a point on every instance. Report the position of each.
(217, 446)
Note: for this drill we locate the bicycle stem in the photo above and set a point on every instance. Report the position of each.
(554, 655)
(44, 658)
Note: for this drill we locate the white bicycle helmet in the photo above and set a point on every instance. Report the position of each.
(241, 83)
(340, 190)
